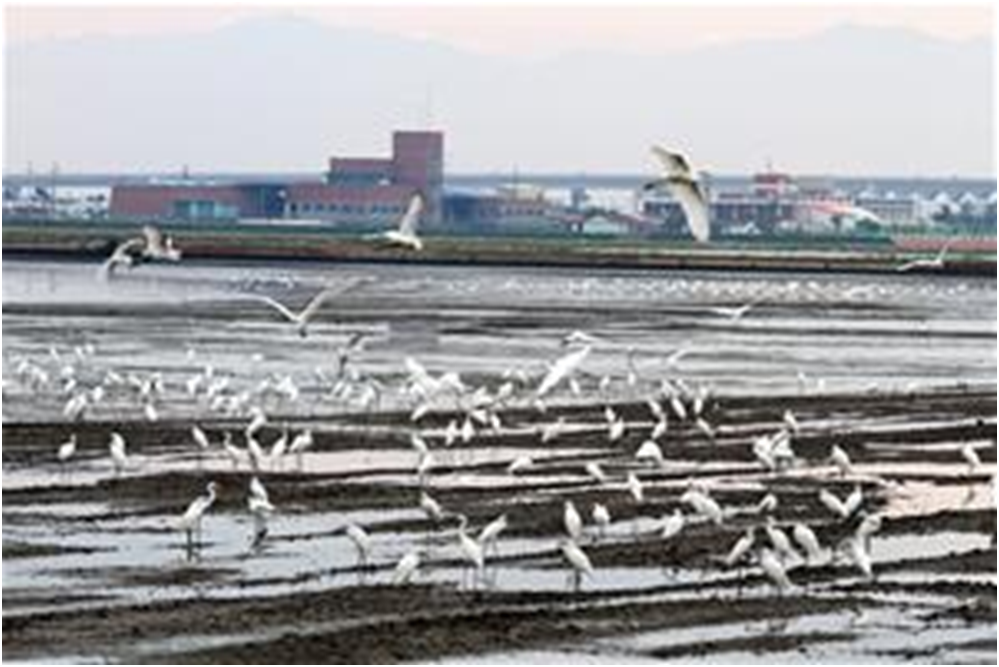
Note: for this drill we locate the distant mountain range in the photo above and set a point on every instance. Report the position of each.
(282, 94)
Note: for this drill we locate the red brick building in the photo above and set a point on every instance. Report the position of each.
(355, 190)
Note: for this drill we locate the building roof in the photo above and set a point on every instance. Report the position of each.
(341, 194)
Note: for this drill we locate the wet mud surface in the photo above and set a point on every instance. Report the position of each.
(97, 569)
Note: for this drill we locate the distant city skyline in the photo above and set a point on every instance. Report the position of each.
(840, 89)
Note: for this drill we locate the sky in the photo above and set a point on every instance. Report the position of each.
(520, 29)
(899, 124)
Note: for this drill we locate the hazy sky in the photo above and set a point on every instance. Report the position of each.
(736, 85)
(538, 29)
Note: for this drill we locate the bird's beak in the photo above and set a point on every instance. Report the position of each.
(654, 185)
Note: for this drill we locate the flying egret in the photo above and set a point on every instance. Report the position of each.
(935, 263)
(572, 521)
(191, 519)
(300, 319)
(121, 256)
(561, 369)
(685, 186)
(405, 234)
(158, 246)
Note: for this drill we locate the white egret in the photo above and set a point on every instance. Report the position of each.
(635, 488)
(870, 524)
(839, 458)
(121, 256)
(779, 539)
(405, 234)
(673, 524)
(703, 504)
(650, 451)
(854, 500)
(67, 450)
(579, 561)
(158, 246)
(553, 430)
(520, 464)
(191, 519)
(857, 553)
(300, 319)
(937, 262)
(572, 521)
(471, 551)
(418, 443)
(594, 470)
(659, 430)
(615, 430)
(200, 439)
(300, 444)
(768, 505)
(406, 568)
(833, 504)
(601, 517)
(361, 540)
(260, 507)
(806, 538)
(116, 446)
(684, 185)
(491, 532)
(561, 369)
(774, 569)
(431, 507)
(741, 548)
(969, 454)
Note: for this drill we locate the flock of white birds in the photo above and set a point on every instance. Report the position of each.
(770, 546)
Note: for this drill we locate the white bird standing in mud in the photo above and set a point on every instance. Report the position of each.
(490, 534)
(406, 568)
(572, 521)
(685, 186)
(190, 521)
(67, 450)
(601, 517)
(362, 542)
(259, 504)
(673, 524)
(116, 447)
(579, 561)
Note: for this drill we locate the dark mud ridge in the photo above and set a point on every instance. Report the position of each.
(96, 568)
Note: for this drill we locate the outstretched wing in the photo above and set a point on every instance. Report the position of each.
(121, 255)
(694, 204)
(154, 240)
(676, 164)
(280, 307)
(317, 302)
(409, 221)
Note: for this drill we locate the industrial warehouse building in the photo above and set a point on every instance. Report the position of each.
(363, 191)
